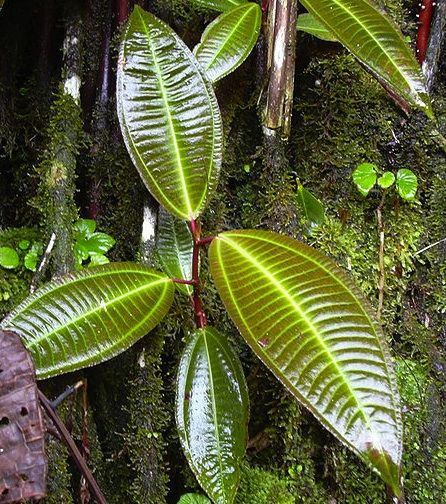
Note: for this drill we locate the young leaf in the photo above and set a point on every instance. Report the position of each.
(99, 243)
(84, 228)
(193, 499)
(218, 5)
(386, 180)
(97, 259)
(309, 24)
(407, 184)
(377, 43)
(364, 177)
(312, 208)
(9, 258)
(169, 116)
(228, 40)
(212, 413)
(175, 246)
(312, 328)
(90, 316)
(24, 244)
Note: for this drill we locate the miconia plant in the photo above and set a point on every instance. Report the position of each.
(298, 311)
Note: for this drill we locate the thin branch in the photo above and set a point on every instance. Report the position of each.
(43, 263)
(430, 246)
(71, 445)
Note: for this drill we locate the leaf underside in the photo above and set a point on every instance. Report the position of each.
(90, 316)
(169, 116)
(212, 413)
(228, 40)
(309, 24)
(310, 325)
(377, 43)
(174, 244)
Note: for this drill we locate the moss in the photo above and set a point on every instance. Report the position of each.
(57, 172)
(59, 476)
(263, 487)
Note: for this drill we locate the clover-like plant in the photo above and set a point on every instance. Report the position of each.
(366, 176)
(299, 312)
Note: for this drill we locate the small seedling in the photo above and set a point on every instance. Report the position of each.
(366, 177)
(90, 246)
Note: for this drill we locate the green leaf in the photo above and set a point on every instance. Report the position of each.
(193, 499)
(310, 325)
(97, 259)
(228, 40)
(175, 247)
(169, 116)
(218, 5)
(89, 316)
(377, 43)
(24, 244)
(99, 243)
(364, 177)
(311, 207)
(407, 184)
(386, 180)
(84, 228)
(309, 24)
(9, 258)
(30, 261)
(212, 413)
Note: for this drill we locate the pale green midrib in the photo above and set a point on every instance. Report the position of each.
(47, 336)
(50, 290)
(309, 6)
(134, 149)
(109, 350)
(214, 412)
(230, 34)
(264, 270)
(179, 163)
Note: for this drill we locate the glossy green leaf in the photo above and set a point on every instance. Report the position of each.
(169, 116)
(218, 5)
(97, 259)
(89, 316)
(407, 184)
(100, 243)
(9, 258)
(364, 177)
(310, 325)
(84, 228)
(212, 413)
(228, 40)
(174, 244)
(193, 499)
(386, 180)
(309, 24)
(312, 209)
(377, 43)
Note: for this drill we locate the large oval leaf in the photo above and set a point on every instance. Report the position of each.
(169, 116)
(309, 324)
(212, 413)
(377, 43)
(175, 245)
(228, 40)
(90, 316)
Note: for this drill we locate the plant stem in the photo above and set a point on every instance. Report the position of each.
(200, 316)
(71, 445)
(381, 280)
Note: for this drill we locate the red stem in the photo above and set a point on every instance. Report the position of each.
(426, 12)
(200, 316)
(122, 11)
